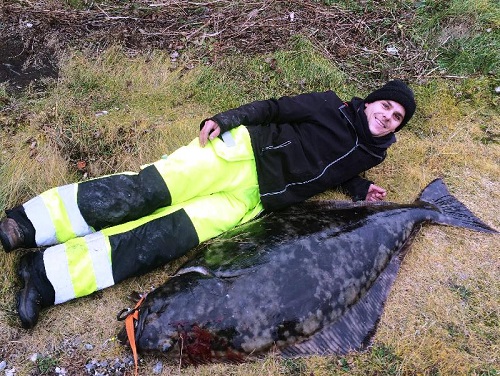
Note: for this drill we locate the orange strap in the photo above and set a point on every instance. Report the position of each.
(129, 327)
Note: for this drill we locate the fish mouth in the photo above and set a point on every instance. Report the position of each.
(148, 344)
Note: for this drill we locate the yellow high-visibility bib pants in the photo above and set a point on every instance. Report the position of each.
(107, 229)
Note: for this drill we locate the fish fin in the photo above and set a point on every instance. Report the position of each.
(453, 211)
(355, 329)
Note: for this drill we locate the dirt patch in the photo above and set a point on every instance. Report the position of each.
(20, 67)
(35, 35)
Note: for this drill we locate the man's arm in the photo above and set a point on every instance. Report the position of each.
(287, 109)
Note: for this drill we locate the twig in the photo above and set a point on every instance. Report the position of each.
(455, 77)
(108, 17)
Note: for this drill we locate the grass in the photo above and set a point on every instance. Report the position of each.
(442, 316)
(239, 80)
(465, 34)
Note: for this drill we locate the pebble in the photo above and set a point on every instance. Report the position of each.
(392, 51)
(3, 365)
(60, 371)
(158, 368)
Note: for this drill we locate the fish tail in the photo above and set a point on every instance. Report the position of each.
(453, 212)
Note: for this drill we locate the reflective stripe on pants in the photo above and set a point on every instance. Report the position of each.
(55, 216)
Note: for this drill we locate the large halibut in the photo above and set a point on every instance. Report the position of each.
(312, 279)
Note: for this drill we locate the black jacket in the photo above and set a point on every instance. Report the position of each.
(305, 145)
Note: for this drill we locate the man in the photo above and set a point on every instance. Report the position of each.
(262, 156)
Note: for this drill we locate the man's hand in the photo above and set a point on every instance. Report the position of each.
(375, 193)
(209, 131)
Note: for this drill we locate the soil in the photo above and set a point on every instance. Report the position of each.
(35, 35)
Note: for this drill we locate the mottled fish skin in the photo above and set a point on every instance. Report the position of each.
(278, 280)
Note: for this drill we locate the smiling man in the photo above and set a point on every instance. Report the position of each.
(384, 117)
(262, 156)
(387, 110)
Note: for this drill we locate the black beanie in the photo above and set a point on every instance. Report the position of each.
(397, 91)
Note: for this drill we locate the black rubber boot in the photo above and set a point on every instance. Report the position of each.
(37, 291)
(11, 235)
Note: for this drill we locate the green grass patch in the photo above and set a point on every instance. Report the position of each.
(241, 79)
(46, 365)
(293, 367)
(464, 34)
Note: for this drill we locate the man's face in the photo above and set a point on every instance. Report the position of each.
(384, 116)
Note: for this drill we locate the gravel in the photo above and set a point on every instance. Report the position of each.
(116, 367)
(95, 367)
